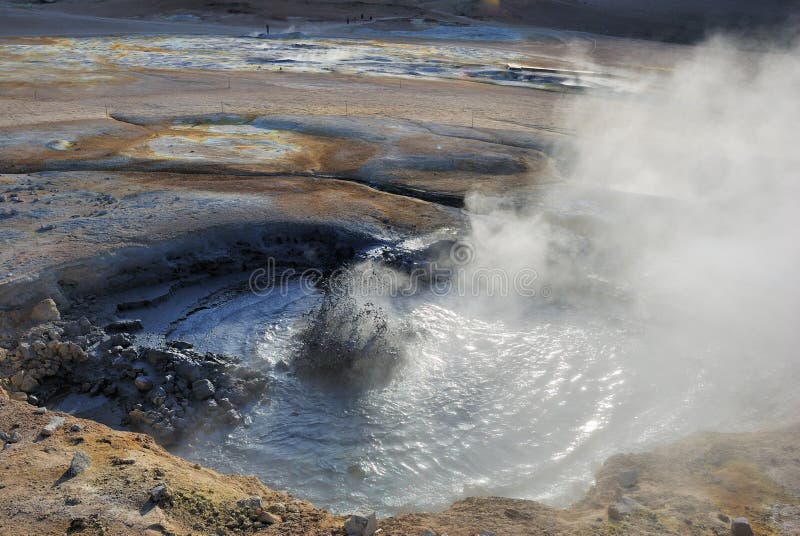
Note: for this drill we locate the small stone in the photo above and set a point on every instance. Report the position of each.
(80, 463)
(121, 340)
(72, 501)
(40, 411)
(77, 524)
(51, 427)
(251, 503)
(75, 428)
(143, 383)
(485, 532)
(160, 494)
(428, 532)
(18, 395)
(203, 389)
(277, 509)
(357, 525)
(269, 518)
(14, 437)
(741, 527)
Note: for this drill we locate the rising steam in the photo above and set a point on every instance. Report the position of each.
(680, 213)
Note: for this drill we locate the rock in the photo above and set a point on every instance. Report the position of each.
(251, 504)
(203, 389)
(124, 326)
(45, 311)
(123, 340)
(51, 427)
(357, 525)
(40, 411)
(180, 345)
(45, 228)
(23, 381)
(143, 383)
(14, 437)
(485, 532)
(18, 395)
(624, 507)
(628, 479)
(741, 527)
(28, 384)
(428, 532)
(75, 428)
(160, 494)
(269, 518)
(80, 463)
(277, 509)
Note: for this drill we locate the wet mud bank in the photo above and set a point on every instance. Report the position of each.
(71, 337)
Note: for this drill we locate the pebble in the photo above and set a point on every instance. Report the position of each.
(40, 411)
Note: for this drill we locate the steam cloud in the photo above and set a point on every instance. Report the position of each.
(680, 213)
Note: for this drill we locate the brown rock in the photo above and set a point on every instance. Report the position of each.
(44, 311)
(268, 518)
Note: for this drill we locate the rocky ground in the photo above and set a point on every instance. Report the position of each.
(60, 474)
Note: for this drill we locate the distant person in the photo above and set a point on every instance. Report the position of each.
(267, 29)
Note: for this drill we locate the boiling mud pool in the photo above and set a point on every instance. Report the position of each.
(523, 408)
